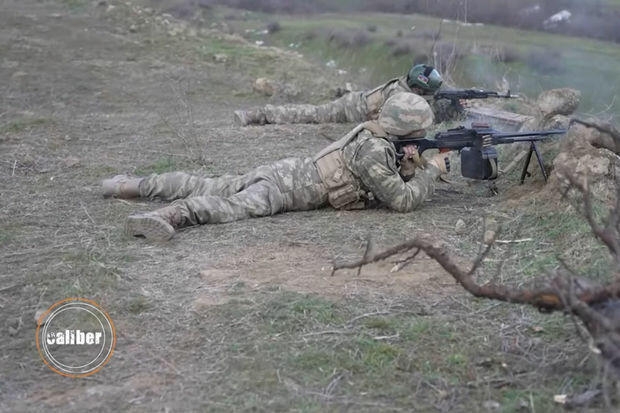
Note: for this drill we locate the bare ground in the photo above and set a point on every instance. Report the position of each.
(242, 316)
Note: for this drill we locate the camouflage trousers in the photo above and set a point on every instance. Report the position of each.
(348, 108)
(287, 185)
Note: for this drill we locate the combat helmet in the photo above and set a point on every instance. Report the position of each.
(424, 77)
(404, 113)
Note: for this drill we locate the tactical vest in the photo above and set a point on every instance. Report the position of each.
(343, 188)
(376, 97)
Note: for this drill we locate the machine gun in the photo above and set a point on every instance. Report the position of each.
(477, 147)
(455, 95)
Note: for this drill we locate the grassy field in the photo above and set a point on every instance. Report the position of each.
(530, 62)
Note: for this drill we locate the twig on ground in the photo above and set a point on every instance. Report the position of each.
(513, 241)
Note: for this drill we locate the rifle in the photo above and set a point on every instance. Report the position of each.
(477, 147)
(455, 95)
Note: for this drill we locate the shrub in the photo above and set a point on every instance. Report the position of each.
(401, 48)
(310, 35)
(185, 10)
(503, 54)
(510, 55)
(425, 34)
(349, 39)
(274, 27)
(445, 55)
(545, 61)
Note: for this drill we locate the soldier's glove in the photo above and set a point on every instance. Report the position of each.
(440, 160)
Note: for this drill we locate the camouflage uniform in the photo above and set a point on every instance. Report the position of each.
(357, 171)
(352, 107)
(294, 184)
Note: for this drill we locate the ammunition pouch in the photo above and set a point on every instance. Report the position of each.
(342, 189)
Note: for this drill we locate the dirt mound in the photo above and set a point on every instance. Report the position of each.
(585, 153)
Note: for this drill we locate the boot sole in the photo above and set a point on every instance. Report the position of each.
(239, 119)
(151, 228)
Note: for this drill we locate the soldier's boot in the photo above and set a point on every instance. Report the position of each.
(157, 225)
(121, 186)
(250, 117)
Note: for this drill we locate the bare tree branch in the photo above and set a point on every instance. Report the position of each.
(608, 234)
(545, 297)
(596, 305)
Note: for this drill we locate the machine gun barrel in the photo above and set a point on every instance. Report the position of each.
(457, 94)
(477, 147)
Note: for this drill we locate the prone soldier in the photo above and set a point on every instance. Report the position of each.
(360, 106)
(357, 171)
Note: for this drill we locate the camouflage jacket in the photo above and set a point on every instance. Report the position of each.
(370, 167)
(356, 107)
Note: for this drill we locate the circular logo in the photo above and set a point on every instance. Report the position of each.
(75, 337)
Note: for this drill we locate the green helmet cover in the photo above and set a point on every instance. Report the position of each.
(424, 77)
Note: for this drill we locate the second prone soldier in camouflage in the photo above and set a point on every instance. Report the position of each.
(348, 174)
(357, 106)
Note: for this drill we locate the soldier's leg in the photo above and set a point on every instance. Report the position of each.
(175, 185)
(260, 199)
(348, 108)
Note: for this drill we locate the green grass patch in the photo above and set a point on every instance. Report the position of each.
(566, 235)
(292, 343)
(138, 305)
(161, 165)
(376, 355)
(538, 400)
(24, 124)
(75, 4)
(8, 233)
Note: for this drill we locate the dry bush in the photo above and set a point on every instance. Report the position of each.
(274, 27)
(445, 57)
(349, 39)
(310, 35)
(545, 61)
(185, 10)
(425, 34)
(401, 47)
(507, 55)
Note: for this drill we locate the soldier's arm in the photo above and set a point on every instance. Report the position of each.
(375, 165)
